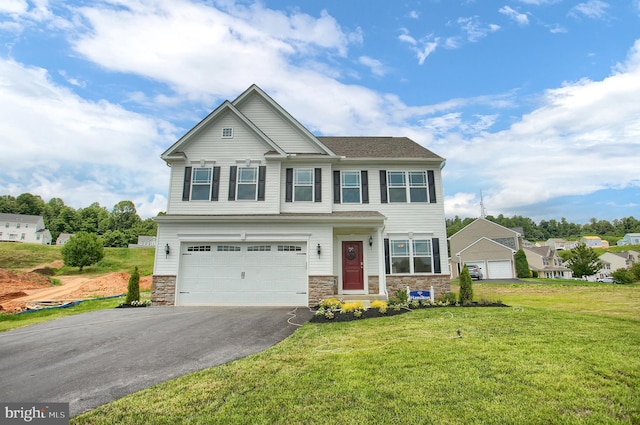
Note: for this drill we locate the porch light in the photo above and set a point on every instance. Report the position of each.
(167, 250)
(370, 241)
(319, 250)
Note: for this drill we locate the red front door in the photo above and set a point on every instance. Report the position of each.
(352, 266)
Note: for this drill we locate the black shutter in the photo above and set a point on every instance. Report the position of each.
(336, 187)
(435, 248)
(387, 262)
(432, 187)
(186, 188)
(262, 176)
(288, 193)
(317, 181)
(233, 171)
(383, 186)
(364, 178)
(215, 186)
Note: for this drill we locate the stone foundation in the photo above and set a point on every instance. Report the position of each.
(374, 285)
(441, 283)
(163, 290)
(321, 287)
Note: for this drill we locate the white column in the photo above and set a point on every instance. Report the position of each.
(382, 277)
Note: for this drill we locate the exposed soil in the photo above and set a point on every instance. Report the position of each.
(24, 289)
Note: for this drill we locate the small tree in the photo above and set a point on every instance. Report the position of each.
(82, 249)
(466, 290)
(522, 265)
(622, 276)
(133, 289)
(635, 270)
(584, 261)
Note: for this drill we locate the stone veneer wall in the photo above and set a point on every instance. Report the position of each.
(163, 289)
(321, 287)
(441, 283)
(374, 285)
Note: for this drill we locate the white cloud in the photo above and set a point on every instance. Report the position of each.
(475, 29)
(594, 9)
(422, 48)
(414, 14)
(377, 68)
(520, 18)
(94, 150)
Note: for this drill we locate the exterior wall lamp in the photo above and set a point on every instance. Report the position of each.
(167, 250)
(370, 241)
(319, 249)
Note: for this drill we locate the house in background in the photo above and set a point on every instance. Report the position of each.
(63, 238)
(560, 244)
(594, 242)
(630, 239)
(263, 212)
(23, 228)
(144, 242)
(487, 245)
(547, 263)
(612, 261)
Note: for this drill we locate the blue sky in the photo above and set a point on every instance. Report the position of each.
(536, 103)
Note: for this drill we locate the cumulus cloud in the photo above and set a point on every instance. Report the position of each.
(377, 68)
(593, 9)
(520, 18)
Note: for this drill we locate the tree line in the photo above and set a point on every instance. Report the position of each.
(546, 229)
(117, 228)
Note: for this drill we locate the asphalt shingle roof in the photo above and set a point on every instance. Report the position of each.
(377, 147)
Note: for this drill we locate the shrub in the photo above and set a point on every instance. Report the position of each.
(635, 270)
(622, 277)
(82, 249)
(379, 304)
(466, 290)
(133, 289)
(401, 298)
(522, 265)
(331, 304)
(447, 298)
(352, 307)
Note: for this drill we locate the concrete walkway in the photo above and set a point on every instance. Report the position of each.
(91, 359)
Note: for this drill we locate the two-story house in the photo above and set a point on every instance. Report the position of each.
(263, 212)
(546, 262)
(24, 228)
(594, 242)
(612, 261)
(630, 239)
(487, 245)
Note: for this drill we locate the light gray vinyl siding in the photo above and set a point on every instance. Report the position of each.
(274, 125)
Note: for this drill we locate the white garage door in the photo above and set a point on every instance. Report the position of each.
(243, 274)
(500, 270)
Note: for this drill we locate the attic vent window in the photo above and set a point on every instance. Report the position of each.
(227, 133)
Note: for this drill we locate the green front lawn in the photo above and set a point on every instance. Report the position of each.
(554, 358)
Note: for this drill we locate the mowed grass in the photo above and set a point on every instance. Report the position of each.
(540, 362)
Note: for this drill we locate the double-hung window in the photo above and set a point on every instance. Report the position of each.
(350, 187)
(247, 183)
(303, 185)
(411, 256)
(200, 184)
(403, 186)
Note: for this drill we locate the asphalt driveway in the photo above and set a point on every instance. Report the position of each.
(91, 359)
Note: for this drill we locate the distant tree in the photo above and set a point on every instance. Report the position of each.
(622, 277)
(30, 204)
(133, 289)
(115, 239)
(123, 216)
(82, 249)
(522, 265)
(146, 227)
(584, 261)
(8, 204)
(94, 219)
(466, 289)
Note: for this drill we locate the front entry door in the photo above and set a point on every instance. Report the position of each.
(352, 266)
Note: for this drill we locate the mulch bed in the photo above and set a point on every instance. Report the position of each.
(374, 312)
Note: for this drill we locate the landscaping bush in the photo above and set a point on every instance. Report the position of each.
(522, 265)
(133, 289)
(622, 277)
(447, 298)
(401, 298)
(635, 270)
(466, 290)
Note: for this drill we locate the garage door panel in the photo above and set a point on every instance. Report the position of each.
(244, 274)
(500, 269)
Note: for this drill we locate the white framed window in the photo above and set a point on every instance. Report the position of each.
(407, 186)
(201, 184)
(199, 248)
(227, 248)
(289, 248)
(227, 133)
(303, 185)
(17, 225)
(259, 248)
(350, 188)
(247, 183)
(411, 256)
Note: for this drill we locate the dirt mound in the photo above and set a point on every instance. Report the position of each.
(106, 286)
(11, 282)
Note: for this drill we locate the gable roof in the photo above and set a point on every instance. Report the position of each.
(175, 150)
(543, 251)
(378, 147)
(483, 220)
(20, 218)
(482, 239)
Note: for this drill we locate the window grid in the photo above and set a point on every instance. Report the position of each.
(303, 185)
(227, 133)
(201, 248)
(201, 184)
(409, 186)
(227, 248)
(289, 248)
(257, 248)
(247, 183)
(350, 187)
(410, 257)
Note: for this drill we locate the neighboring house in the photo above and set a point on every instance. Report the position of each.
(594, 242)
(560, 244)
(144, 242)
(612, 261)
(263, 212)
(630, 239)
(487, 245)
(547, 263)
(23, 228)
(63, 238)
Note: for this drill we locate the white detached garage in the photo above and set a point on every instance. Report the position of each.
(249, 274)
